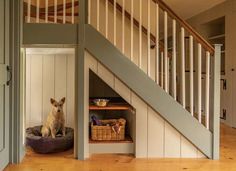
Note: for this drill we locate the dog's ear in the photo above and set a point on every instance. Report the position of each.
(63, 100)
(52, 101)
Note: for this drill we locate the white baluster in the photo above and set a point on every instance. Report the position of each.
(132, 30)
(46, 11)
(89, 11)
(98, 15)
(168, 73)
(29, 11)
(199, 82)
(162, 69)
(37, 11)
(157, 44)
(174, 60)
(55, 11)
(114, 22)
(166, 49)
(207, 89)
(149, 42)
(140, 33)
(73, 11)
(123, 26)
(191, 74)
(106, 28)
(183, 66)
(64, 11)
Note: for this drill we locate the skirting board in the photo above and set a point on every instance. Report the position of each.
(105, 148)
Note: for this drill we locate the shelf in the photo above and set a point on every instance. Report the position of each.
(217, 37)
(127, 139)
(111, 106)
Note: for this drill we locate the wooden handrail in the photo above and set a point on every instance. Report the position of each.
(206, 45)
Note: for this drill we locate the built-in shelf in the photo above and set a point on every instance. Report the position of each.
(112, 106)
(217, 37)
(127, 139)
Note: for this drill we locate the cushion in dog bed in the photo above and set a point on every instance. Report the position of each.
(45, 145)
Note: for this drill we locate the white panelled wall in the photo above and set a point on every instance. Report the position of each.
(49, 74)
(155, 138)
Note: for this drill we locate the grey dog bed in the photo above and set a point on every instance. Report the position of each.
(46, 145)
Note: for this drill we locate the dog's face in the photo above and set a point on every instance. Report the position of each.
(57, 107)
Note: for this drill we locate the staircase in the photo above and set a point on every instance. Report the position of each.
(157, 55)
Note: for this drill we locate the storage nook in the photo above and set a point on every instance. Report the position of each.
(112, 125)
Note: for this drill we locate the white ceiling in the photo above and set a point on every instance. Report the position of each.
(189, 8)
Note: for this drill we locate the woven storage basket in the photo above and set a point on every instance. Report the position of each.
(105, 133)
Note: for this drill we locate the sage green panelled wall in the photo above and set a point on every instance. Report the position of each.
(227, 10)
(4, 89)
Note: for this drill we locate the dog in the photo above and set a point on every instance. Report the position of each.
(56, 120)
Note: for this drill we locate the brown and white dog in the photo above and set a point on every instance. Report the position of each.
(55, 120)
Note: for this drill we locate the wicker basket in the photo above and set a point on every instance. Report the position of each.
(106, 133)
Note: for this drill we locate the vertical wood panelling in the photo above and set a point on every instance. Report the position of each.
(155, 134)
(48, 84)
(70, 91)
(48, 76)
(172, 142)
(36, 90)
(122, 90)
(187, 149)
(28, 91)
(141, 126)
(60, 78)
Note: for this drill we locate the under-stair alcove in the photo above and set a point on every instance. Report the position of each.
(116, 108)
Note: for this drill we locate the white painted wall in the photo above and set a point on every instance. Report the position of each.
(49, 74)
(154, 138)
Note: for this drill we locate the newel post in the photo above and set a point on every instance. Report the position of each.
(216, 68)
(81, 144)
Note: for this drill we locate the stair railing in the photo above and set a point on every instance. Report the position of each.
(151, 25)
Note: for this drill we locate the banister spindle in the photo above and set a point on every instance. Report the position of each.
(106, 23)
(174, 60)
(148, 39)
(207, 89)
(191, 74)
(64, 11)
(98, 15)
(199, 82)
(162, 69)
(123, 26)
(37, 11)
(183, 66)
(73, 11)
(55, 11)
(166, 50)
(132, 31)
(46, 11)
(157, 44)
(140, 33)
(114, 20)
(29, 11)
(89, 11)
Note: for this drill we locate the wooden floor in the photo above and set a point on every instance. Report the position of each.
(65, 161)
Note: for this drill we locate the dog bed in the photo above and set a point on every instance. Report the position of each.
(46, 145)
